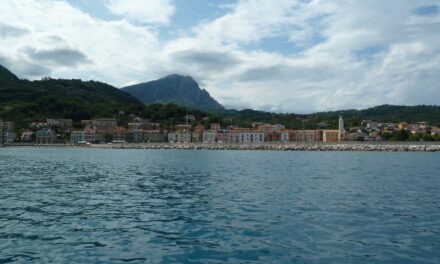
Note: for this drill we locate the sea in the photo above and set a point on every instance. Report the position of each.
(81, 205)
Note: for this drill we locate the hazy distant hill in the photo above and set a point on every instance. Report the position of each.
(23, 100)
(178, 89)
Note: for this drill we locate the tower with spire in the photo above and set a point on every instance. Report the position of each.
(341, 130)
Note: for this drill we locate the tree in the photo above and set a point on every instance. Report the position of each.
(108, 137)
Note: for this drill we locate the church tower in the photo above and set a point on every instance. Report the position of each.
(341, 129)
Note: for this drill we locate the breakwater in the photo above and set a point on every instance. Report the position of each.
(404, 146)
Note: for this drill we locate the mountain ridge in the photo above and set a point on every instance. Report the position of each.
(175, 88)
(7, 75)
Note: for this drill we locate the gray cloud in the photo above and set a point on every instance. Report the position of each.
(206, 60)
(11, 31)
(285, 72)
(25, 68)
(59, 57)
(34, 70)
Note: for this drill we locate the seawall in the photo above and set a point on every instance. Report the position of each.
(404, 147)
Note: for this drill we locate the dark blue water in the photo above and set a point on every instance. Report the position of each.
(140, 206)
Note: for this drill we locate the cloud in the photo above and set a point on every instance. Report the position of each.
(150, 11)
(369, 53)
(86, 47)
(58, 57)
(206, 60)
(339, 54)
(11, 31)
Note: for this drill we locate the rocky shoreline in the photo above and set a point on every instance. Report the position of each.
(403, 147)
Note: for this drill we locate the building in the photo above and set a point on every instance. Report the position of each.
(105, 123)
(179, 137)
(27, 136)
(251, 137)
(197, 135)
(90, 134)
(7, 135)
(144, 125)
(329, 135)
(233, 135)
(9, 126)
(277, 136)
(77, 137)
(119, 134)
(154, 135)
(222, 136)
(183, 128)
(358, 136)
(341, 131)
(65, 124)
(45, 136)
(304, 135)
(215, 126)
(402, 125)
(105, 128)
(435, 131)
(283, 136)
(210, 136)
(267, 128)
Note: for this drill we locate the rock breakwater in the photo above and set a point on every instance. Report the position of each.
(404, 147)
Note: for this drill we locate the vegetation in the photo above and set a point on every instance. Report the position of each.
(23, 101)
(352, 118)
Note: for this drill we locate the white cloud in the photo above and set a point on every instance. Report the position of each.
(368, 53)
(64, 42)
(143, 11)
(325, 75)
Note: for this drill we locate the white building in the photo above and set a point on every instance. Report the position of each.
(251, 137)
(77, 136)
(341, 131)
(284, 136)
(209, 136)
(179, 137)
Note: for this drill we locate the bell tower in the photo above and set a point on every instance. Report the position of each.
(341, 130)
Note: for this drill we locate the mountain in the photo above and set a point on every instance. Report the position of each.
(6, 75)
(25, 101)
(178, 89)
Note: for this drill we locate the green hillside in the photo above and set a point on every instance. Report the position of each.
(23, 101)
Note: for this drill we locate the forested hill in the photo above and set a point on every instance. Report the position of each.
(24, 101)
(383, 113)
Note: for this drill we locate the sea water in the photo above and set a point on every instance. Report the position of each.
(79, 205)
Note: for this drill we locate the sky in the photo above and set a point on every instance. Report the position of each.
(297, 56)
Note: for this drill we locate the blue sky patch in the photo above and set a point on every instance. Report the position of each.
(427, 10)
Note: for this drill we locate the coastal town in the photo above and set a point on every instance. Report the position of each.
(107, 131)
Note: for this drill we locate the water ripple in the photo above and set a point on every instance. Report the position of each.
(140, 206)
